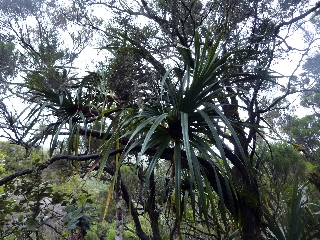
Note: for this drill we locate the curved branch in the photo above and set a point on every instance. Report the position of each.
(135, 216)
(296, 19)
(231, 203)
(47, 164)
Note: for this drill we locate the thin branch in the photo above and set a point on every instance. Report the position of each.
(134, 213)
(296, 19)
(230, 201)
(47, 164)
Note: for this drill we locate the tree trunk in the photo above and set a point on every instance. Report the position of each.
(250, 212)
(119, 217)
(152, 209)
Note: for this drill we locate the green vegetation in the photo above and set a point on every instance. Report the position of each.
(180, 129)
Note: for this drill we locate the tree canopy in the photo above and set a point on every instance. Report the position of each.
(184, 118)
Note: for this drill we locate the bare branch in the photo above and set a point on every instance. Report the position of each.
(47, 164)
(296, 19)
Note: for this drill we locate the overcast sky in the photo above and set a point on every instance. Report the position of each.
(90, 56)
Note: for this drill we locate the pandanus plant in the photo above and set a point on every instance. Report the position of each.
(187, 126)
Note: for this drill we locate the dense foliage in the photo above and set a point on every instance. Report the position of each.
(182, 128)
